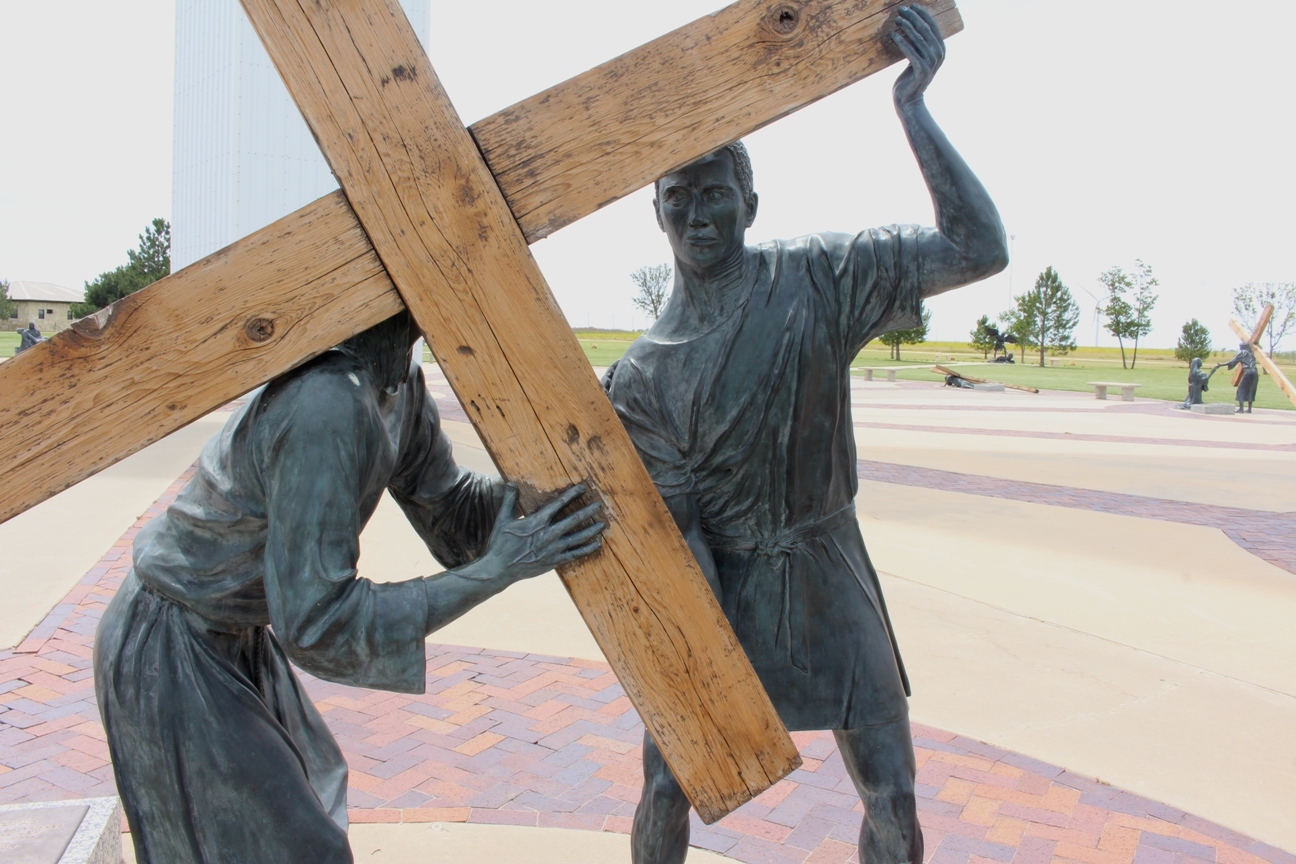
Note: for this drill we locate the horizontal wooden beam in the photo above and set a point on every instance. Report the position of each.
(171, 353)
(452, 247)
(564, 153)
(57, 430)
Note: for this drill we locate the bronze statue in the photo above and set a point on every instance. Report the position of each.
(1246, 389)
(738, 401)
(29, 337)
(1198, 383)
(217, 751)
(1001, 341)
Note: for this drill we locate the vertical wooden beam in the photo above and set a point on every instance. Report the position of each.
(450, 244)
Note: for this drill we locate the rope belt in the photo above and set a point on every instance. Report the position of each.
(787, 541)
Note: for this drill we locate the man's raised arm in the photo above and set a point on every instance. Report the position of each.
(970, 244)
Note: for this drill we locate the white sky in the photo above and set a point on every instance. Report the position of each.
(1105, 131)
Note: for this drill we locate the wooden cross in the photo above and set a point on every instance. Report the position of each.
(1253, 339)
(437, 218)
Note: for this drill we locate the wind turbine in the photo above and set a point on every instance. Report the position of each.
(1097, 313)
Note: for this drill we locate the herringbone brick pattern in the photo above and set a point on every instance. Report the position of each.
(548, 741)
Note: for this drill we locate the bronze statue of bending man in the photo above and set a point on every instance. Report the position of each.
(738, 401)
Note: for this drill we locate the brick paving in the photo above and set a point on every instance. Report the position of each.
(522, 739)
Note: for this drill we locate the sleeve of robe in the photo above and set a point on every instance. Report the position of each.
(317, 455)
(878, 281)
(657, 436)
(452, 509)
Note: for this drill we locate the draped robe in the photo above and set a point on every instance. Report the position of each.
(753, 417)
(218, 753)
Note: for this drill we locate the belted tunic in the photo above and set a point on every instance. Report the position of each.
(753, 417)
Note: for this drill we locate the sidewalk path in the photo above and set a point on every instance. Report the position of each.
(1267, 535)
(521, 739)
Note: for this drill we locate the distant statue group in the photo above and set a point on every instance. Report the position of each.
(1199, 381)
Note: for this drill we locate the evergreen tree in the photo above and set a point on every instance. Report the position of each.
(1045, 317)
(144, 266)
(7, 306)
(981, 339)
(912, 336)
(1194, 341)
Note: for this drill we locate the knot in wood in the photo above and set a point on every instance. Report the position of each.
(259, 329)
(784, 19)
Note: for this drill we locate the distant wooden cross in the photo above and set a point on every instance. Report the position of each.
(1253, 339)
(437, 218)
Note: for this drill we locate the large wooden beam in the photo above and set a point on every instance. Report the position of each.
(679, 97)
(95, 394)
(1265, 360)
(165, 356)
(449, 242)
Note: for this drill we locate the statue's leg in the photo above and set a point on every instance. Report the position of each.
(661, 821)
(880, 760)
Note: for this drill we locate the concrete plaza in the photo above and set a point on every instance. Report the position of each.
(1094, 601)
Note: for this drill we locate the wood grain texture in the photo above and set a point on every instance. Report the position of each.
(182, 347)
(698, 96)
(562, 154)
(445, 234)
(1264, 359)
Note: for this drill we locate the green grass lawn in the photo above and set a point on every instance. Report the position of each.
(1162, 376)
(8, 342)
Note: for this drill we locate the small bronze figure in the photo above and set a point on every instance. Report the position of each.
(1246, 389)
(30, 337)
(1001, 340)
(1198, 383)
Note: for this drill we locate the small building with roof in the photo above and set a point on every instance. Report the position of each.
(44, 304)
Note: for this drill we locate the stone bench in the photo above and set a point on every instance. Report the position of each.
(889, 370)
(76, 831)
(1127, 390)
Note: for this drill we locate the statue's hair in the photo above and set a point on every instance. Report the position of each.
(742, 167)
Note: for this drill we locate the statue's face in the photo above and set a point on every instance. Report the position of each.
(703, 211)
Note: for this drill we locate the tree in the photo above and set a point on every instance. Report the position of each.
(912, 336)
(144, 266)
(1119, 312)
(1249, 302)
(653, 284)
(1194, 341)
(981, 339)
(1144, 299)
(1045, 317)
(7, 306)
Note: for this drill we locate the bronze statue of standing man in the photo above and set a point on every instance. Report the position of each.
(1250, 380)
(738, 400)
